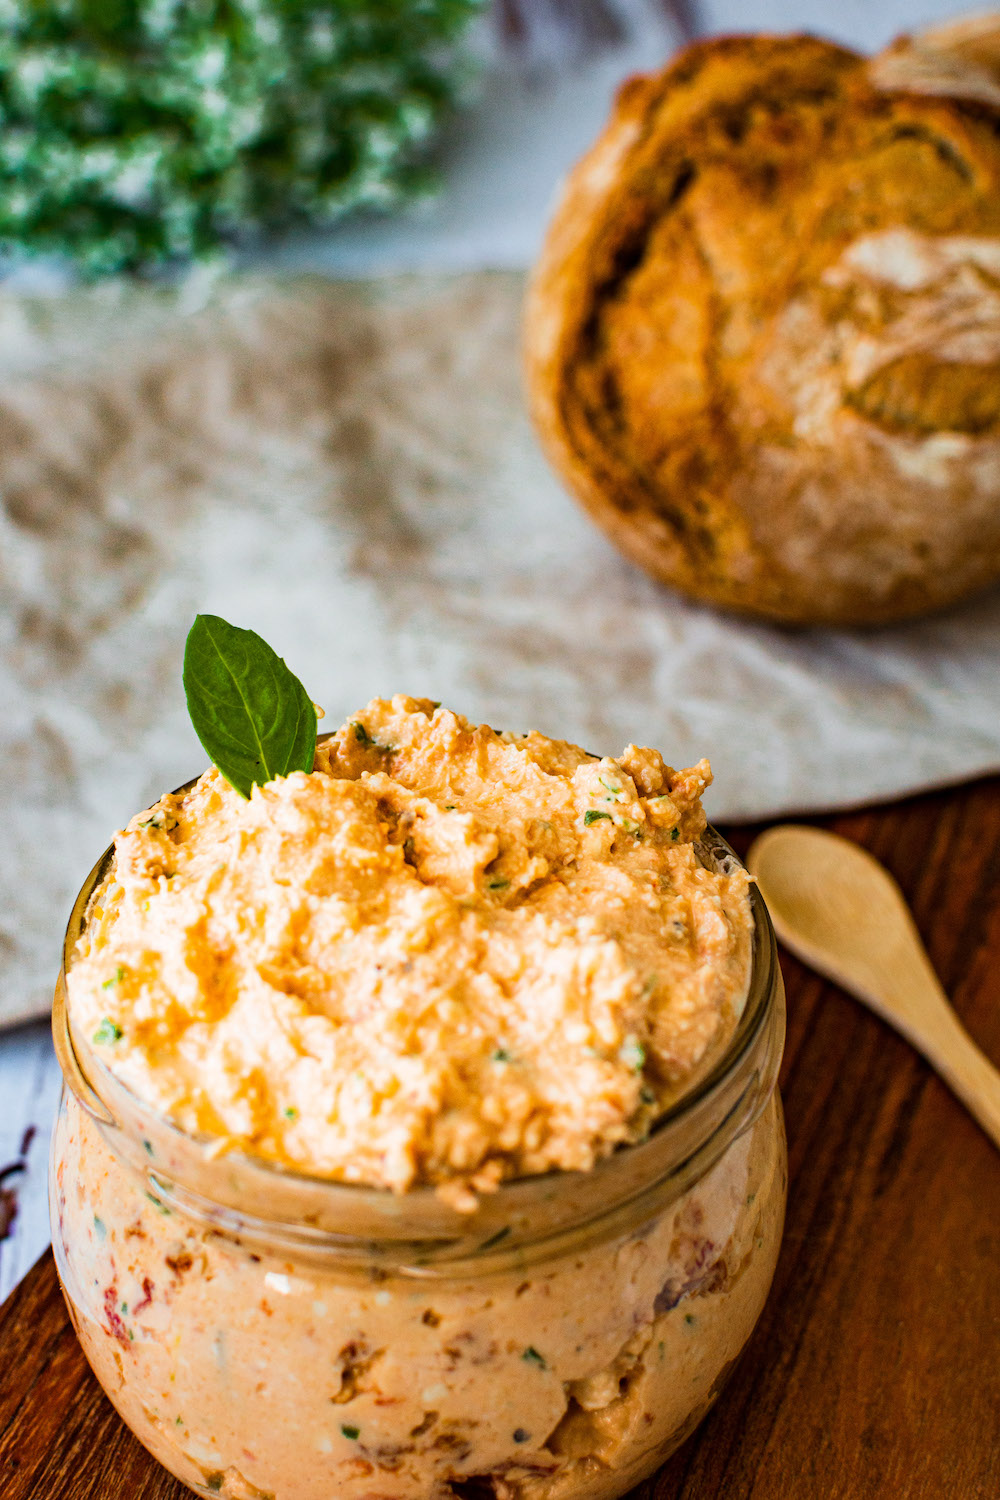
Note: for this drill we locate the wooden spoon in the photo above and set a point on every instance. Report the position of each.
(842, 913)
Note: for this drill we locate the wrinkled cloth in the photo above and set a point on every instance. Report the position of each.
(348, 469)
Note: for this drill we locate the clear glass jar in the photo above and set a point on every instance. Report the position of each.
(268, 1334)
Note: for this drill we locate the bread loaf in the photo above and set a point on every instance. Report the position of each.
(763, 338)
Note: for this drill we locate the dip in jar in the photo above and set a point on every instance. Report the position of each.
(420, 1137)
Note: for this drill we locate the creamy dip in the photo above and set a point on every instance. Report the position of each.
(447, 955)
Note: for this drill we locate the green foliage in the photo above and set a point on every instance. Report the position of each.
(134, 133)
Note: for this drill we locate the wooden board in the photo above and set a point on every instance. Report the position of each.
(875, 1370)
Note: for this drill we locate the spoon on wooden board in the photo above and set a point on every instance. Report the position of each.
(839, 910)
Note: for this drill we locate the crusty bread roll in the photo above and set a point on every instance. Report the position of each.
(763, 338)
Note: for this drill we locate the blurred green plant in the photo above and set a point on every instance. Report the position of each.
(136, 133)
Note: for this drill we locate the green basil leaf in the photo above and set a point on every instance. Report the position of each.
(254, 718)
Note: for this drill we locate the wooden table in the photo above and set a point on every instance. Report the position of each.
(875, 1370)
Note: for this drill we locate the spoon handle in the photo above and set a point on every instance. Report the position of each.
(949, 1049)
(908, 994)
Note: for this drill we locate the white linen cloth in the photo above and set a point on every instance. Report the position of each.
(348, 469)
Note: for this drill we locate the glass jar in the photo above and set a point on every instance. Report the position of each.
(271, 1335)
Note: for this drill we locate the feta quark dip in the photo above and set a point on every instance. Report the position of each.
(420, 1138)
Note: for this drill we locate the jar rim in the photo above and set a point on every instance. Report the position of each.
(682, 1144)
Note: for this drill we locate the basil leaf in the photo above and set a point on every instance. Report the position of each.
(252, 715)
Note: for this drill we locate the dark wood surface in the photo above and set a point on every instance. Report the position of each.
(875, 1370)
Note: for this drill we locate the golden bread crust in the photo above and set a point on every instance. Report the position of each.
(763, 337)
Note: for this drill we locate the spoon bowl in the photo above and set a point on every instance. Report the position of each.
(839, 910)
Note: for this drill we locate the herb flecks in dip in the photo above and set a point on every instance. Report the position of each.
(445, 956)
